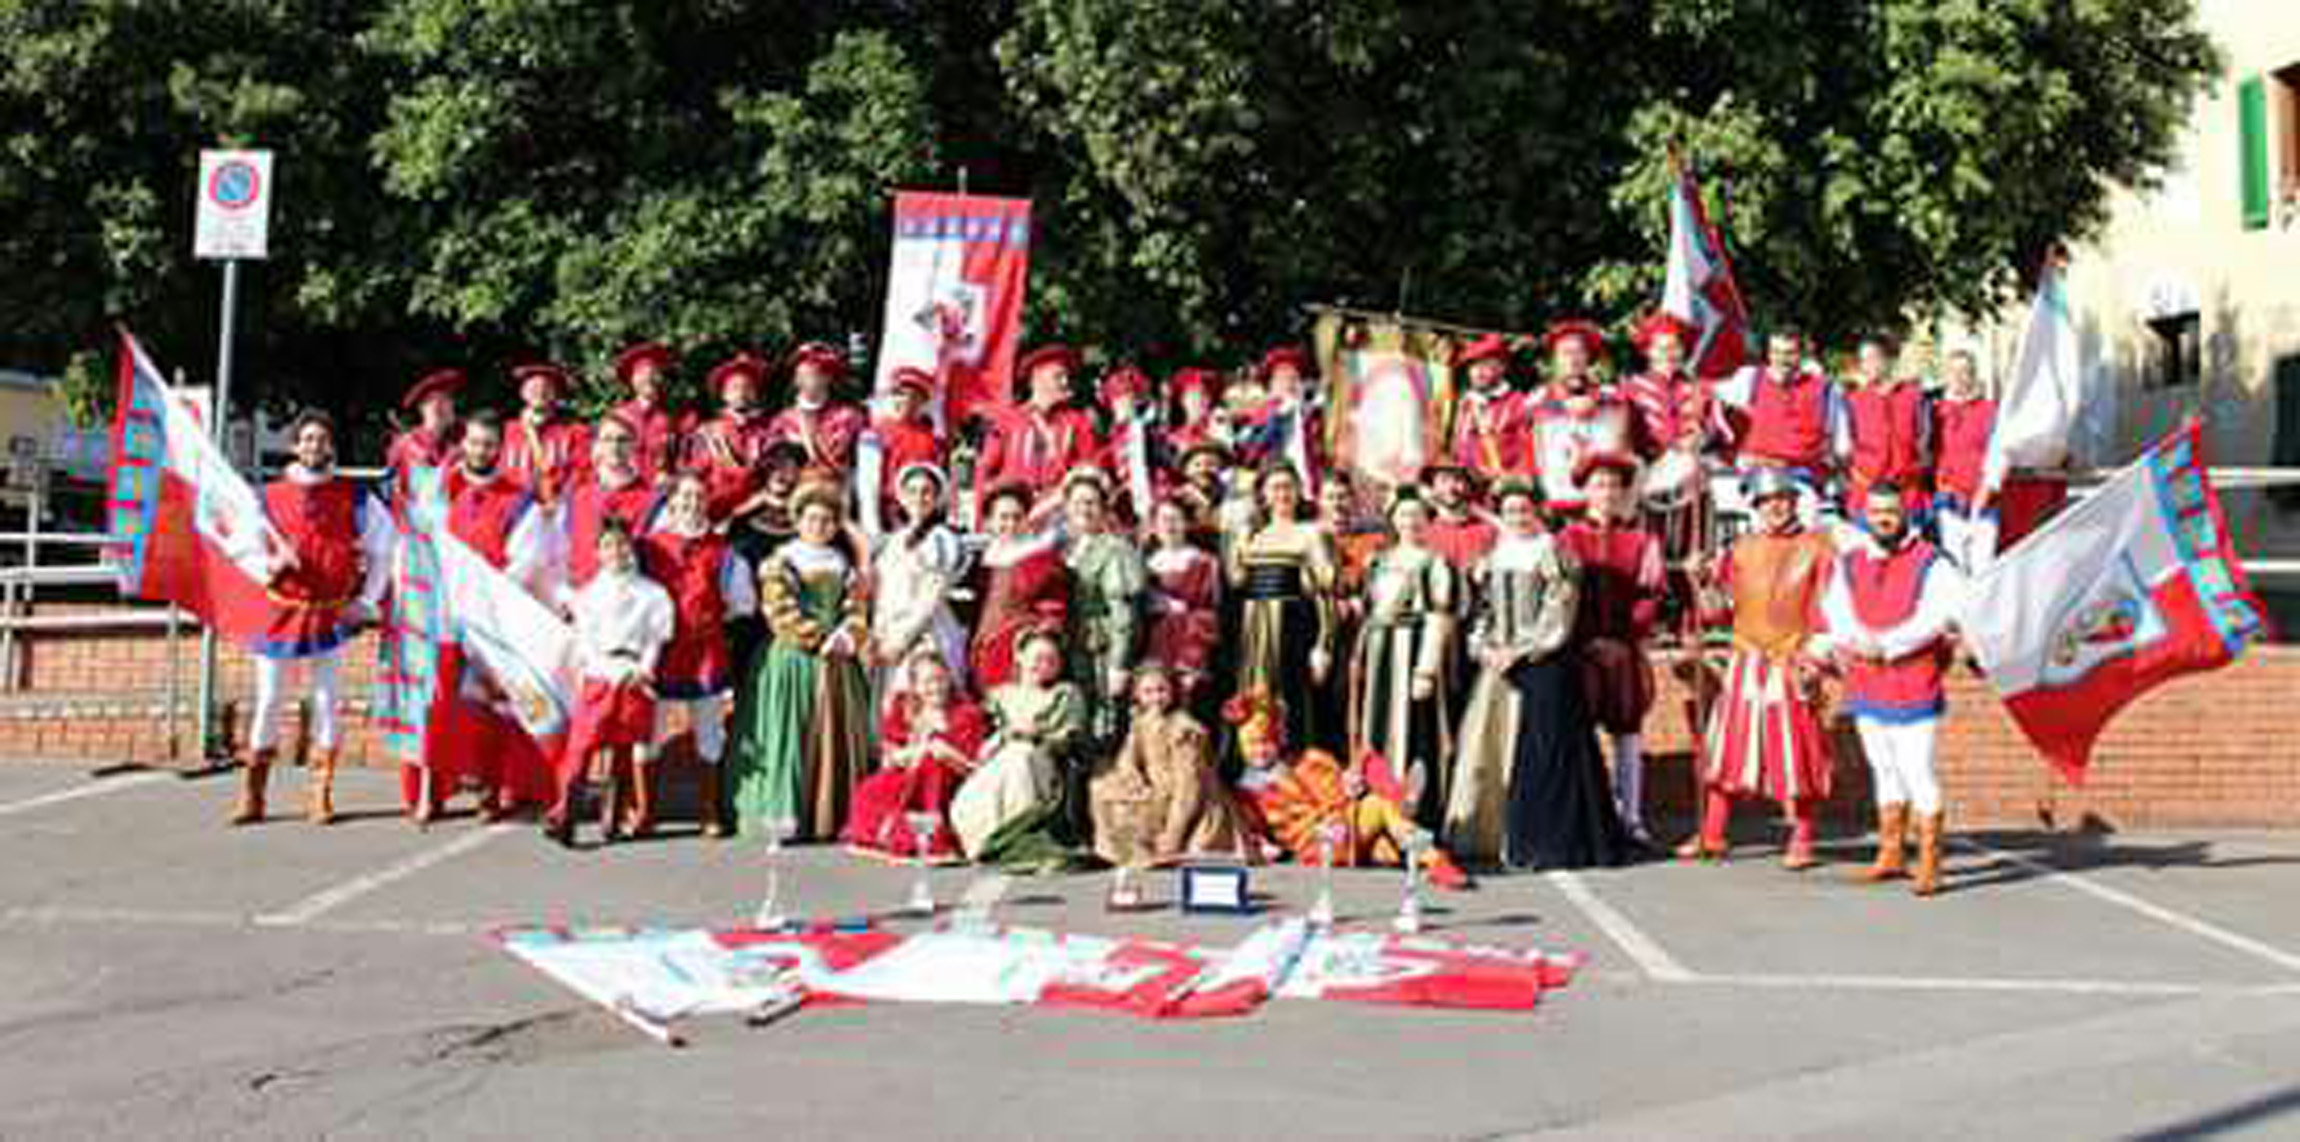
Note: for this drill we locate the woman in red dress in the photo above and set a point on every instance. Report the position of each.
(929, 739)
(1185, 600)
(1021, 581)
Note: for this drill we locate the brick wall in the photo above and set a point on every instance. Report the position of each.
(2214, 749)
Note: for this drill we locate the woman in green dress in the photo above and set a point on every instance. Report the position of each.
(803, 732)
(1009, 812)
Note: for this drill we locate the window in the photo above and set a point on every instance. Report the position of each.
(2286, 112)
(2176, 355)
(2268, 142)
(2286, 453)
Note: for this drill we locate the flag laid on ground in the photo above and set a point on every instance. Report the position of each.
(2044, 397)
(2131, 587)
(193, 531)
(954, 296)
(1700, 290)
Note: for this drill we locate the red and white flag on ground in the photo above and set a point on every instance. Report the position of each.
(1701, 290)
(954, 296)
(2130, 588)
(193, 531)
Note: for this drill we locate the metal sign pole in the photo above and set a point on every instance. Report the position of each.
(219, 419)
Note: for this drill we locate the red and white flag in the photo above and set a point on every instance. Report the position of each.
(193, 532)
(2130, 588)
(1701, 290)
(954, 297)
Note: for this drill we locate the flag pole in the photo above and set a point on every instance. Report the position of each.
(218, 419)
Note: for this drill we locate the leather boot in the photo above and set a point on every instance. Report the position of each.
(1892, 837)
(255, 773)
(1928, 878)
(319, 796)
(707, 806)
(642, 820)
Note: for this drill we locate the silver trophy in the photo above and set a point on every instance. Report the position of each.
(1416, 844)
(923, 826)
(1331, 836)
(771, 917)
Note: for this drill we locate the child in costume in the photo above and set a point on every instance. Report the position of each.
(623, 620)
(1159, 800)
(928, 742)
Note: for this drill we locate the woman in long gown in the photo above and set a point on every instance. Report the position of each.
(915, 571)
(1402, 675)
(1529, 786)
(1159, 800)
(803, 732)
(1283, 570)
(1010, 810)
(1185, 602)
(928, 741)
(1021, 582)
(1106, 584)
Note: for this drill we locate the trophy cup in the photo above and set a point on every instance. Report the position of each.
(770, 916)
(1331, 835)
(1409, 921)
(1125, 890)
(923, 826)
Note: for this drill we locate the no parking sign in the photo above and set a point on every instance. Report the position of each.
(233, 219)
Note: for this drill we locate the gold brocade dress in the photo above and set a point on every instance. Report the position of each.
(1284, 576)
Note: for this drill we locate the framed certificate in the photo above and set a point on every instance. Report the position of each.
(1215, 888)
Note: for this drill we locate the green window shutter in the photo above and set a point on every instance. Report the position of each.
(2252, 132)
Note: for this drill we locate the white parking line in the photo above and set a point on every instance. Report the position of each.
(2202, 929)
(96, 788)
(1647, 952)
(1975, 983)
(328, 899)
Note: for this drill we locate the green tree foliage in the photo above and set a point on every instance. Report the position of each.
(480, 180)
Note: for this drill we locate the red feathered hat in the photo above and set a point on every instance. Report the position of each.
(1657, 324)
(653, 353)
(1490, 347)
(1286, 355)
(1575, 329)
(442, 382)
(740, 365)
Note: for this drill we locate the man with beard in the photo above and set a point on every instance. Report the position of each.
(644, 369)
(544, 448)
(826, 427)
(1573, 416)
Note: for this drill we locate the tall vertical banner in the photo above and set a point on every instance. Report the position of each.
(193, 533)
(1389, 390)
(2134, 586)
(1700, 290)
(2045, 395)
(954, 296)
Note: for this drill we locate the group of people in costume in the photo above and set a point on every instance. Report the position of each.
(1143, 622)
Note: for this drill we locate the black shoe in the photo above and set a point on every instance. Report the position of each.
(560, 831)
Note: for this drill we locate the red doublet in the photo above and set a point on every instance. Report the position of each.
(1016, 596)
(1885, 590)
(1563, 428)
(418, 448)
(692, 570)
(1489, 433)
(1037, 449)
(1764, 734)
(662, 436)
(1672, 409)
(1889, 428)
(590, 506)
(1789, 422)
(730, 451)
(484, 513)
(828, 433)
(1462, 539)
(320, 523)
(903, 443)
(1961, 431)
(549, 459)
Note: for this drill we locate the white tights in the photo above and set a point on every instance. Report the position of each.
(708, 714)
(1629, 781)
(1901, 762)
(271, 684)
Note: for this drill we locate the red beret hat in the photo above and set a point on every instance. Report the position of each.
(1657, 324)
(1195, 379)
(1574, 329)
(1621, 462)
(443, 382)
(739, 365)
(821, 356)
(628, 361)
(548, 371)
(1491, 347)
(915, 379)
(1286, 355)
(1126, 380)
(1056, 353)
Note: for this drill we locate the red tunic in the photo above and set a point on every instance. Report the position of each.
(1489, 434)
(1621, 582)
(662, 437)
(1464, 540)
(1890, 427)
(730, 451)
(549, 460)
(828, 433)
(1885, 591)
(1563, 427)
(1673, 408)
(1789, 422)
(1961, 431)
(320, 523)
(588, 507)
(912, 779)
(692, 569)
(484, 513)
(1185, 612)
(1036, 449)
(902, 444)
(1031, 590)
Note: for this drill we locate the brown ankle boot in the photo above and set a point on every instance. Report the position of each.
(255, 773)
(1892, 838)
(319, 794)
(642, 821)
(1928, 878)
(707, 806)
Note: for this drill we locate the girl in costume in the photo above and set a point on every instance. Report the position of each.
(708, 584)
(1185, 601)
(1159, 799)
(916, 569)
(1021, 581)
(1283, 570)
(623, 620)
(1010, 810)
(928, 741)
